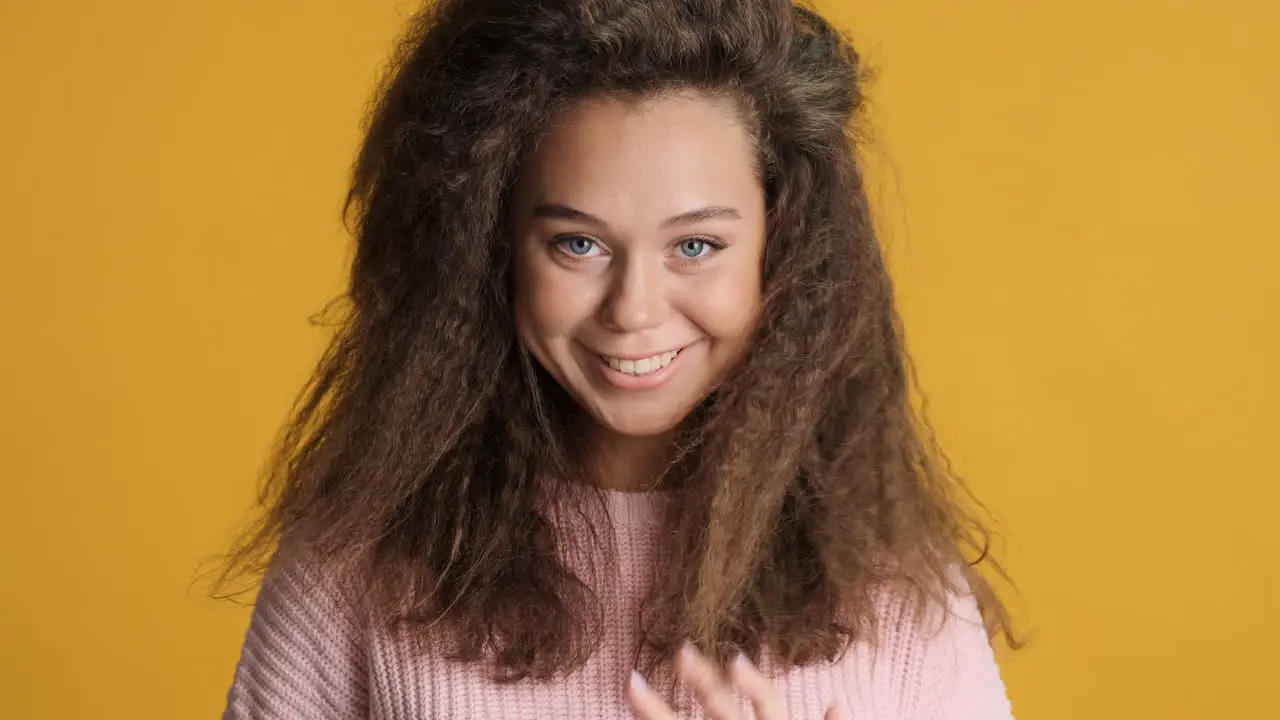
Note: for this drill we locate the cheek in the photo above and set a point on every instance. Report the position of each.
(548, 304)
(727, 305)
(527, 300)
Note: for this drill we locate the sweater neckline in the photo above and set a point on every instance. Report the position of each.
(635, 508)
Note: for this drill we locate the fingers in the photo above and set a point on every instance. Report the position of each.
(834, 713)
(714, 694)
(703, 678)
(757, 688)
(646, 703)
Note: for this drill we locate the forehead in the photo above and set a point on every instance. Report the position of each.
(661, 154)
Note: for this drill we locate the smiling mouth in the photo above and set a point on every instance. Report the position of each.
(643, 366)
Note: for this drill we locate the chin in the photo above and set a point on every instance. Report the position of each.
(636, 425)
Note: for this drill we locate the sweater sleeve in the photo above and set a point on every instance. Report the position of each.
(958, 675)
(304, 653)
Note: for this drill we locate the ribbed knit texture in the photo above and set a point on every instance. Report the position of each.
(306, 655)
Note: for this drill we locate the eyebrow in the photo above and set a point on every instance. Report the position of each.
(556, 211)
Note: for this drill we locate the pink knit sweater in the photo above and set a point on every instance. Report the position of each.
(306, 656)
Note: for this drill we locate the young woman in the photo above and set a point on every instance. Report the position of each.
(619, 421)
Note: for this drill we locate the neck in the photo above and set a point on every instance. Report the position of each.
(629, 464)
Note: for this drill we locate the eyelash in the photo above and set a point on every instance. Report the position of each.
(716, 246)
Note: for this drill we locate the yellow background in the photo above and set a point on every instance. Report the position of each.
(1080, 201)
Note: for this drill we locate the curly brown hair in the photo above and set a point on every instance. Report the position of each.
(805, 485)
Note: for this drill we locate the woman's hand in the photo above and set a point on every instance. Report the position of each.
(714, 691)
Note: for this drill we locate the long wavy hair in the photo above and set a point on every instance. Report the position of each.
(420, 452)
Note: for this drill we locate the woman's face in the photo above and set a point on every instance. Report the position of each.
(639, 232)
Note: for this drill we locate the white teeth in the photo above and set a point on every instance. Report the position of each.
(643, 366)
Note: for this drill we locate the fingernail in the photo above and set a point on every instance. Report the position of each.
(637, 681)
(688, 650)
(741, 662)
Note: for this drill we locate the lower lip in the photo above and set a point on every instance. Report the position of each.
(650, 381)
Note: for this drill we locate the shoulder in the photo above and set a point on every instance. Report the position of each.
(304, 653)
(935, 654)
(296, 568)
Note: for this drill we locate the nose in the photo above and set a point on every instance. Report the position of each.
(637, 297)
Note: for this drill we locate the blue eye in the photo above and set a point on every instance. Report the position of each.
(577, 245)
(694, 247)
